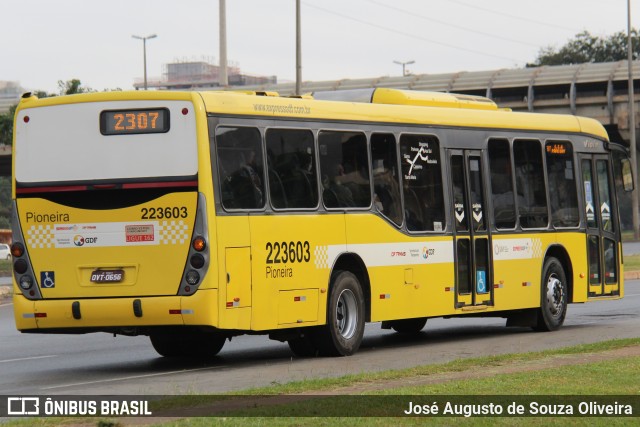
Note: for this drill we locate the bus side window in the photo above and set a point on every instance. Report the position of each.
(422, 183)
(504, 206)
(240, 165)
(344, 168)
(532, 193)
(291, 161)
(562, 181)
(386, 186)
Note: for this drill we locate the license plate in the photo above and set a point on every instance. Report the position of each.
(107, 276)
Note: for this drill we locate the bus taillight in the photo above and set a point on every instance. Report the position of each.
(193, 277)
(199, 243)
(197, 261)
(26, 282)
(20, 266)
(17, 250)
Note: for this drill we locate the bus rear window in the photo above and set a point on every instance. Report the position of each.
(64, 143)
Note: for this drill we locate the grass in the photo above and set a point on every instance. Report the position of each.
(5, 267)
(617, 377)
(628, 236)
(599, 378)
(459, 365)
(631, 263)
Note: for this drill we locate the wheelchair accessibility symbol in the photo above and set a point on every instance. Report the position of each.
(47, 279)
(481, 285)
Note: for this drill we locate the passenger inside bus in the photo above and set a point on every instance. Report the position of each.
(336, 194)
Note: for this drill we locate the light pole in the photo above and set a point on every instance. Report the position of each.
(404, 64)
(632, 129)
(223, 78)
(298, 50)
(144, 53)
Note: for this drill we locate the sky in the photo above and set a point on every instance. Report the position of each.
(44, 41)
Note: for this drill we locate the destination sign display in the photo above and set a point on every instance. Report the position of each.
(126, 122)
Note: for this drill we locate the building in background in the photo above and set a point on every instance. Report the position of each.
(10, 93)
(200, 74)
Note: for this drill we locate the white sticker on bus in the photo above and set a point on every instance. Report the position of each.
(388, 254)
(105, 234)
(508, 249)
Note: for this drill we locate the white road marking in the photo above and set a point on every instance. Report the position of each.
(28, 358)
(132, 377)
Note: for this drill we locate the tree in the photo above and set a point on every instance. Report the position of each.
(72, 86)
(68, 87)
(5, 202)
(585, 47)
(6, 126)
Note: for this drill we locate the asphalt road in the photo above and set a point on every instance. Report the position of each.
(101, 364)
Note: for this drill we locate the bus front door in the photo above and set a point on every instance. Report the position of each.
(602, 232)
(472, 240)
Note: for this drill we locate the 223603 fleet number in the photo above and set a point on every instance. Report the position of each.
(284, 252)
(164, 213)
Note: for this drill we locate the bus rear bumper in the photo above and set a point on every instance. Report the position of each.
(107, 314)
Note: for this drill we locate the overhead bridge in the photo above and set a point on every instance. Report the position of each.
(596, 90)
(5, 160)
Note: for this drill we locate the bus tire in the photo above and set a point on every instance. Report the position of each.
(188, 344)
(553, 299)
(342, 335)
(304, 346)
(408, 326)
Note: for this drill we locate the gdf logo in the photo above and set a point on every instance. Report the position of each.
(426, 252)
(78, 240)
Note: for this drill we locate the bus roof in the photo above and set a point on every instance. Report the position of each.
(400, 106)
(382, 105)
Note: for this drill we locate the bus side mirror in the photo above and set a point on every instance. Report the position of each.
(627, 175)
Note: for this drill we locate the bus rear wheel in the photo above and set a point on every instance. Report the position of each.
(188, 344)
(553, 299)
(408, 326)
(342, 335)
(304, 346)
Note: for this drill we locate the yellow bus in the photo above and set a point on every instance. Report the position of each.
(193, 217)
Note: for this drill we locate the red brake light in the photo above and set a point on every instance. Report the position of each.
(17, 250)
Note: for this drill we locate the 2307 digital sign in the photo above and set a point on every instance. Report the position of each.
(126, 122)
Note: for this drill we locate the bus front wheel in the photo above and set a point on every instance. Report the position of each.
(188, 344)
(342, 335)
(553, 300)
